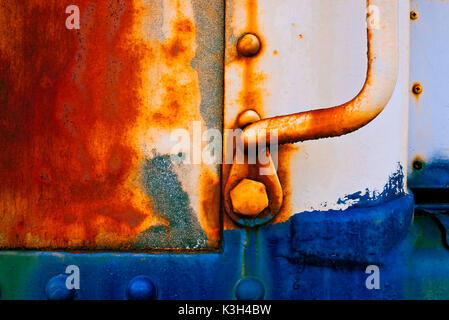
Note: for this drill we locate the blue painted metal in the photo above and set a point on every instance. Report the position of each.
(56, 289)
(434, 174)
(311, 256)
(364, 235)
(141, 288)
(443, 220)
(249, 289)
(433, 208)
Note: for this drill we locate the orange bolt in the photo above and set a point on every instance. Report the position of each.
(249, 198)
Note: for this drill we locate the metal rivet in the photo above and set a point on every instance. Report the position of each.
(417, 88)
(141, 288)
(248, 45)
(417, 165)
(247, 117)
(56, 289)
(250, 289)
(414, 15)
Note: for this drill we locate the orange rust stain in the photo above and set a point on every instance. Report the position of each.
(285, 154)
(251, 94)
(176, 47)
(417, 90)
(301, 36)
(418, 162)
(275, 52)
(70, 103)
(210, 206)
(172, 78)
(175, 85)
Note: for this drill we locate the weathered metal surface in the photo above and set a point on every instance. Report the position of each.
(85, 123)
(321, 254)
(273, 254)
(429, 111)
(299, 66)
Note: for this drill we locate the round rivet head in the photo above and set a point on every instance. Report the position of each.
(141, 288)
(248, 45)
(417, 88)
(417, 165)
(247, 117)
(56, 289)
(250, 289)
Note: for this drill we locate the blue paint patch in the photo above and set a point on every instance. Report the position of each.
(363, 235)
(392, 190)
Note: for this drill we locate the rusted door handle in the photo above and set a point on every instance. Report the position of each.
(379, 86)
(339, 120)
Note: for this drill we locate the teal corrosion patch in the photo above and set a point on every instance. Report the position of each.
(17, 273)
(171, 203)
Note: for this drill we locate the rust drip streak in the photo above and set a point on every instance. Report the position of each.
(250, 93)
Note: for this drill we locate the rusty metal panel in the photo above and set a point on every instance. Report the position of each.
(85, 123)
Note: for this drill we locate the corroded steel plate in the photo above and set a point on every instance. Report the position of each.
(85, 121)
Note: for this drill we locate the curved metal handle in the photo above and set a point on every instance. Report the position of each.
(378, 88)
(380, 82)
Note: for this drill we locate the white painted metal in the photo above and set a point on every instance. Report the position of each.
(429, 113)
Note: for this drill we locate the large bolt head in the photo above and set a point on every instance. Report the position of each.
(249, 198)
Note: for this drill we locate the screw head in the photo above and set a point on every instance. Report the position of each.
(250, 289)
(249, 198)
(414, 15)
(417, 165)
(248, 45)
(417, 88)
(56, 289)
(141, 288)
